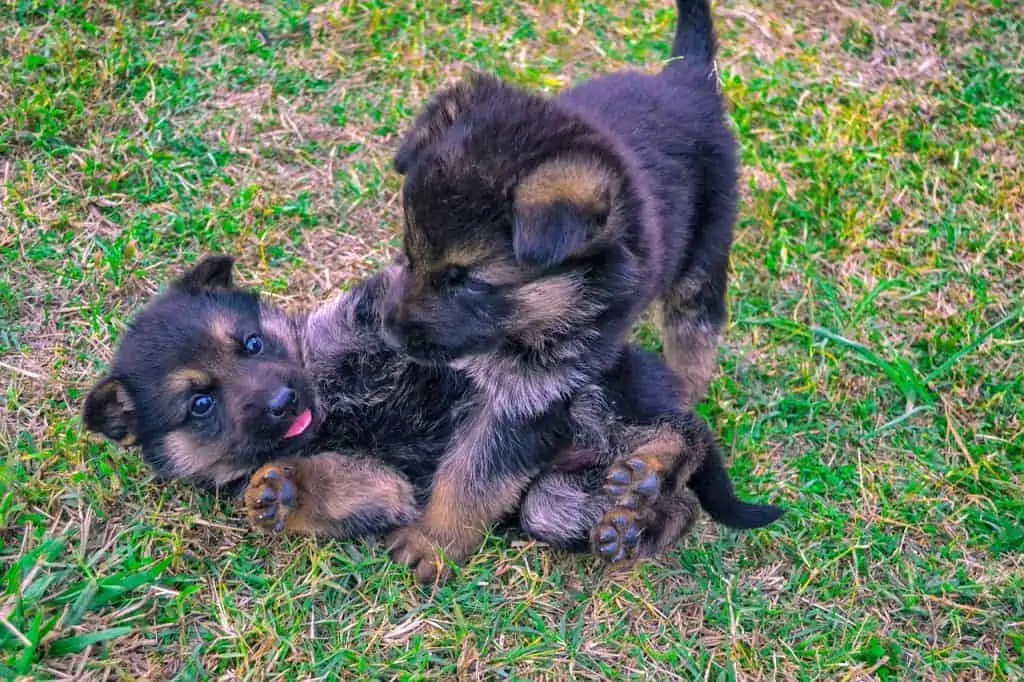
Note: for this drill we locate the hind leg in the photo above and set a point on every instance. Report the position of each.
(692, 317)
(675, 515)
(565, 510)
(625, 534)
(645, 512)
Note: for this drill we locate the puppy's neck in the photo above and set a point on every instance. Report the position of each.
(519, 384)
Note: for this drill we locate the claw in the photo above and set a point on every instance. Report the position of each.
(607, 535)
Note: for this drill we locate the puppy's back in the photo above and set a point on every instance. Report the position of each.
(673, 127)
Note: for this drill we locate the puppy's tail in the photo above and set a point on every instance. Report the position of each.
(695, 33)
(714, 489)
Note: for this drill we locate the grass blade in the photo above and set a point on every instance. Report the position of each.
(79, 643)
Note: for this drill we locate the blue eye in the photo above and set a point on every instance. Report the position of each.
(202, 404)
(254, 345)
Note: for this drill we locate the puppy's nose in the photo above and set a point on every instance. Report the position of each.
(283, 403)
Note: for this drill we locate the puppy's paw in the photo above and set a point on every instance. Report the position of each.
(415, 548)
(634, 483)
(633, 486)
(271, 497)
(616, 537)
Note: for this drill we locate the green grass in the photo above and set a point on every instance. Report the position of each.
(871, 377)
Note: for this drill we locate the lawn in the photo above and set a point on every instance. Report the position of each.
(871, 376)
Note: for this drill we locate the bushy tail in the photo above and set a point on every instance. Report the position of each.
(714, 489)
(695, 33)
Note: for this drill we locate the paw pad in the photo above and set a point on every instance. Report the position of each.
(633, 485)
(617, 535)
(633, 478)
(271, 497)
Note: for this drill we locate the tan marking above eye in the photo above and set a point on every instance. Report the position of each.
(499, 273)
(187, 379)
(222, 328)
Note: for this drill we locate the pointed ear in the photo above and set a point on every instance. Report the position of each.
(439, 115)
(559, 209)
(212, 272)
(109, 411)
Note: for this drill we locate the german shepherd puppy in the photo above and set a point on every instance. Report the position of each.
(340, 436)
(536, 232)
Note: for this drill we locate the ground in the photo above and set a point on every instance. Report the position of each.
(871, 376)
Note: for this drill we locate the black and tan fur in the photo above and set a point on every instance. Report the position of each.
(537, 230)
(381, 423)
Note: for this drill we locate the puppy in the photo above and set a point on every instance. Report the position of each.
(340, 436)
(536, 232)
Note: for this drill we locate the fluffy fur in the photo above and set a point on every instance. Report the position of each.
(537, 230)
(197, 381)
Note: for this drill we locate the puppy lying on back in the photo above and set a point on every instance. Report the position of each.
(340, 436)
(536, 232)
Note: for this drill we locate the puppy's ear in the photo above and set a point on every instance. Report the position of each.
(440, 114)
(212, 272)
(433, 122)
(110, 411)
(559, 209)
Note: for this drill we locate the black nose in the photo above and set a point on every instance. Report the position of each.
(283, 403)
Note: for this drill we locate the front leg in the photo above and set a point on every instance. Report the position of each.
(329, 495)
(480, 479)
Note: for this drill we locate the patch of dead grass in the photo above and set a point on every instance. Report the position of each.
(902, 50)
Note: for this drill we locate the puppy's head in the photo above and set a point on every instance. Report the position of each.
(208, 381)
(510, 203)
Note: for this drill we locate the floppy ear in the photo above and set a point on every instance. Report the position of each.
(560, 208)
(212, 272)
(109, 411)
(439, 114)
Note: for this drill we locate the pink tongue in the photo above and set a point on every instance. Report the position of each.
(300, 424)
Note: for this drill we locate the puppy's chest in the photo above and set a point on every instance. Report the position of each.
(374, 401)
(513, 388)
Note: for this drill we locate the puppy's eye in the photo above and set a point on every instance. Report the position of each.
(454, 275)
(254, 345)
(202, 405)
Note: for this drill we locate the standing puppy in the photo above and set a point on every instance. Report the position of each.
(536, 232)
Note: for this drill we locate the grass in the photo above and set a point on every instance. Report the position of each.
(871, 378)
